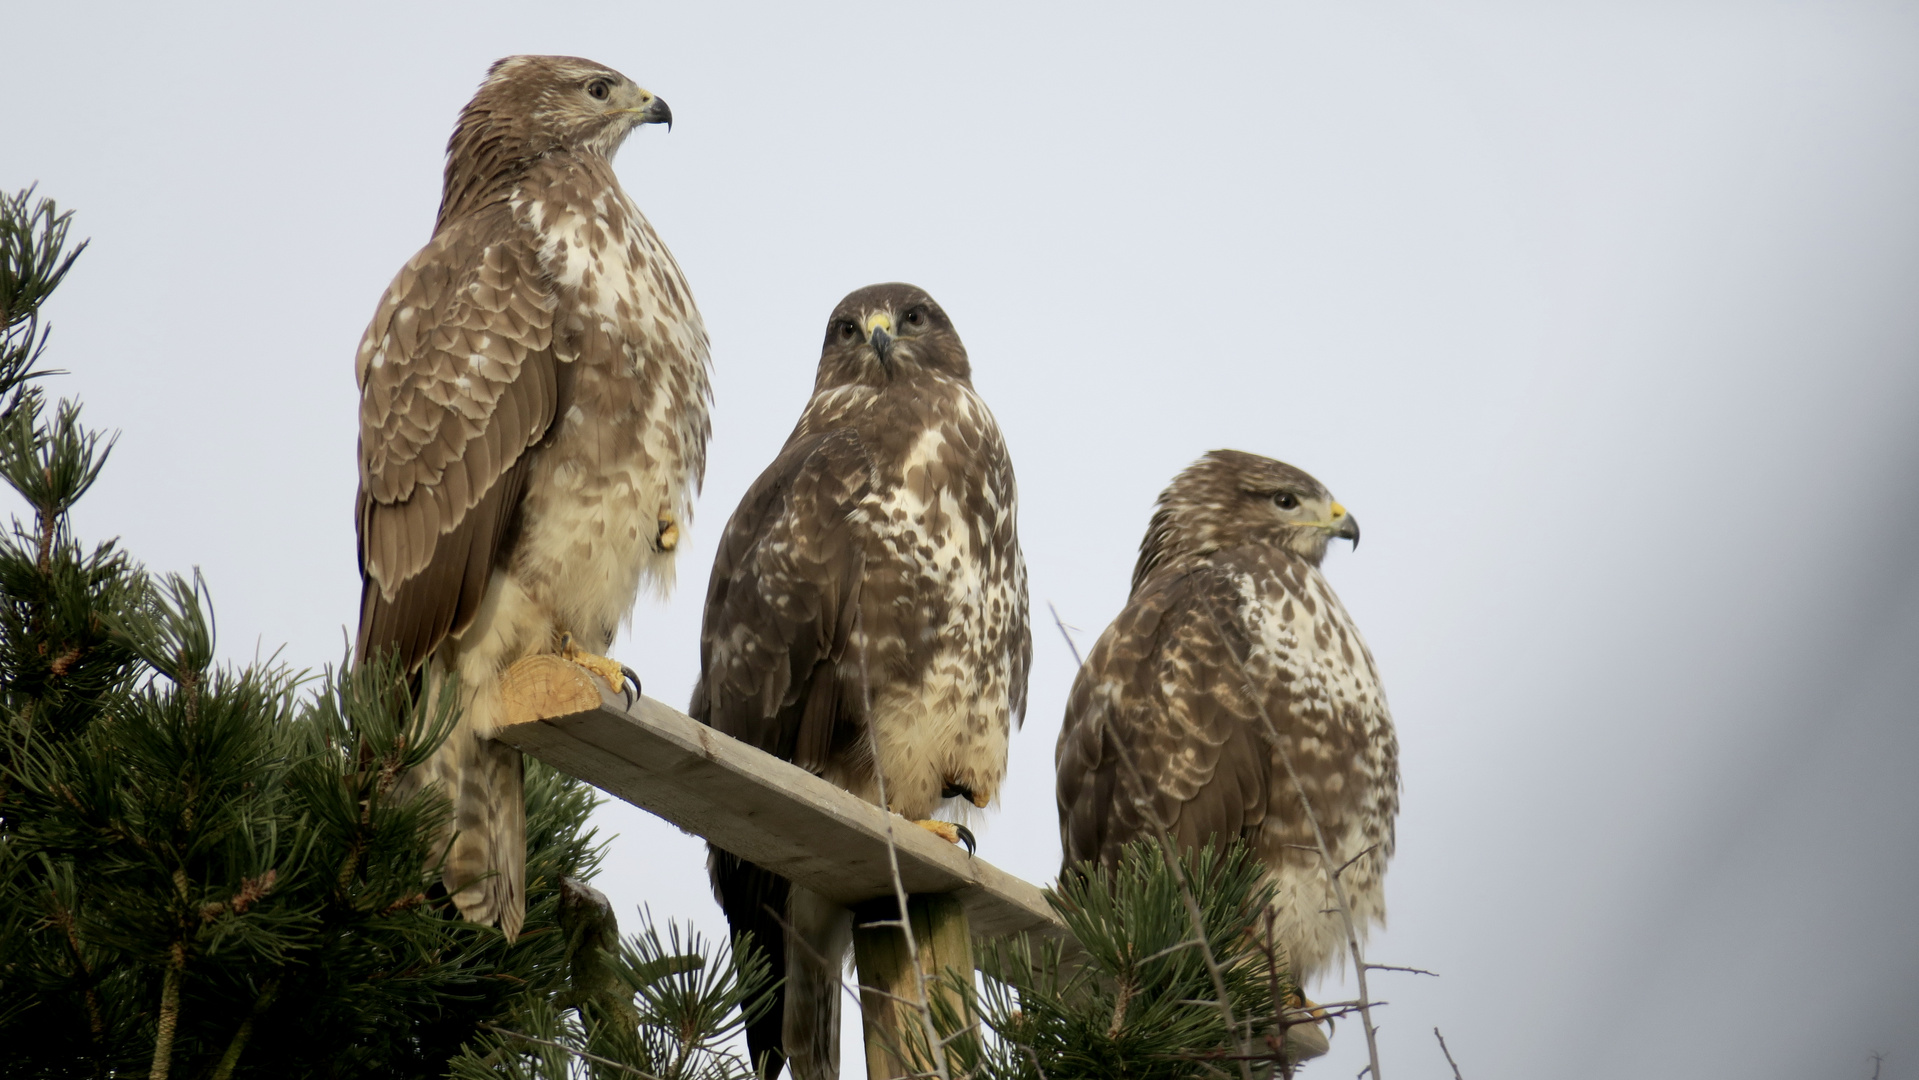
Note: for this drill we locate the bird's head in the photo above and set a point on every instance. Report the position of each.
(562, 103)
(1231, 498)
(885, 331)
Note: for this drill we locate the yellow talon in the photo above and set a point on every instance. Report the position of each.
(668, 537)
(945, 830)
(950, 832)
(612, 672)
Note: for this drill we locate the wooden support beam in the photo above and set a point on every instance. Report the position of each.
(890, 976)
(762, 809)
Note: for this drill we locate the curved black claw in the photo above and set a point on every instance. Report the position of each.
(966, 837)
(631, 698)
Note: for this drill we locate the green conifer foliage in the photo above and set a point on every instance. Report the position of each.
(1142, 1003)
(205, 871)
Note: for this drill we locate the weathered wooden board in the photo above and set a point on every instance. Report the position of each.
(750, 803)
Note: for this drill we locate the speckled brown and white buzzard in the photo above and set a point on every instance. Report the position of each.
(1230, 625)
(868, 591)
(533, 423)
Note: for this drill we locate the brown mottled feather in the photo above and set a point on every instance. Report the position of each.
(533, 416)
(1230, 625)
(1185, 745)
(434, 453)
(782, 600)
(869, 583)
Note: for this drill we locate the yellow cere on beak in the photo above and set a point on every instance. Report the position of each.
(1338, 511)
(879, 320)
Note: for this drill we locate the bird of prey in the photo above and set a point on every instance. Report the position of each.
(1231, 656)
(867, 621)
(533, 423)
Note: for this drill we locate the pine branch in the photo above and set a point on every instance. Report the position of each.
(1455, 1065)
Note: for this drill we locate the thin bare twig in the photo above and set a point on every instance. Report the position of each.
(1063, 632)
(1363, 852)
(963, 1031)
(1396, 967)
(1455, 1064)
(1343, 867)
(1292, 1017)
(1170, 950)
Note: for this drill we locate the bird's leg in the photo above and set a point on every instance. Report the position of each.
(668, 537)
(615, 674)
(951, 832)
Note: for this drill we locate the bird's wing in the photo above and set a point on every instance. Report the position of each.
(458, 380)
(782, 602)
(1161, 726)
(1005, 545)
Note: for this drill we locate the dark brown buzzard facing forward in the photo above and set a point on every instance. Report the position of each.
(868, 590)
(1229, 625)
(533, 421)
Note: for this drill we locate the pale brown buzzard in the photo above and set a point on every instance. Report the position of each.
(1231, 627)
(533, 423)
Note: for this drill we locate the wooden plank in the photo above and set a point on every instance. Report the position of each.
(768, 811)
(890, 976)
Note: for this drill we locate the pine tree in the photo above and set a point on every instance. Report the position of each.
(205, 870)
(1139, 1001)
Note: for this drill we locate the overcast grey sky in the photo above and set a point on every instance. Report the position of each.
(1602, 317)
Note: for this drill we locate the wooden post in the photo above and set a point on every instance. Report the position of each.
(890, 977)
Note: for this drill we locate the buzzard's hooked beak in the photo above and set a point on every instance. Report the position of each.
(877, 326)
(1345, 526)
(656, 112)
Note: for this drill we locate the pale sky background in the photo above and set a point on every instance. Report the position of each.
(1602, 317)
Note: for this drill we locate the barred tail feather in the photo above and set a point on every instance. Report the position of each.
(485, 867)
(822, 932)
(755, 902)
(805, 938)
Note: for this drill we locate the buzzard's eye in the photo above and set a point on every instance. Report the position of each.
(1286, 500)
(598, 89)
(913, 317)
(848, 331)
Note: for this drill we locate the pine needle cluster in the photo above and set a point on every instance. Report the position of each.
(206, 871)
(1135, 997)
